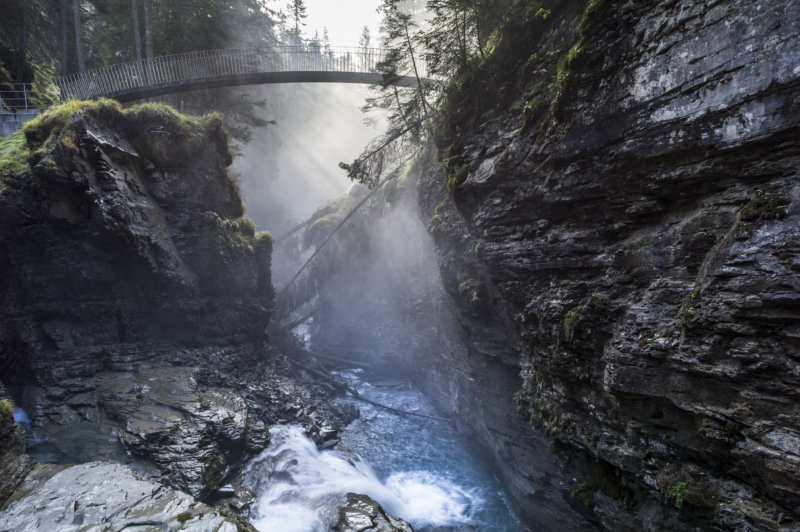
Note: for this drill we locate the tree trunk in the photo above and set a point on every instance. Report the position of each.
(64, 56)
(148, 33)
(76, 12)
(478, 27)
(416, 72)
(137, 32)
(23, 44)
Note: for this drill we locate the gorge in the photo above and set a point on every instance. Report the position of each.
(589, 268)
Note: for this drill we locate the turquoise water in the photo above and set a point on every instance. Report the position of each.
(407, 447)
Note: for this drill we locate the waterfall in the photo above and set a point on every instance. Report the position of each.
(300, 488)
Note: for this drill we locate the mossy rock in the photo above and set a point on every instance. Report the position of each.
(14, 155)
(766, 207)
(162, 134)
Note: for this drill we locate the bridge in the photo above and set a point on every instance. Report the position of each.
(225, 68)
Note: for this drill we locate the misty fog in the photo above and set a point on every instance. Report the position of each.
(290, 168)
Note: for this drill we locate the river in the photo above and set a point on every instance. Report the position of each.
(417, 468)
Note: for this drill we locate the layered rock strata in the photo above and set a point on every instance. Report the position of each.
(631, 250)
(136, 298)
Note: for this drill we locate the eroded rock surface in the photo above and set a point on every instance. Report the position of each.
(100, 496)
(636, 258)
(14, 463)
(362, 514)
(136, 301)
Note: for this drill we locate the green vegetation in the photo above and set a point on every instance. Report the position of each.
(184, 516)
(677, 491)
(765, 206)
(264, 236)
(571, 320)
(576, 57)
(6, 409)
(606, 479)
(688, 486)
(688, 312)
(179, 137)
(700, 495)
(239, 234)
(54, 125)
(14, 155)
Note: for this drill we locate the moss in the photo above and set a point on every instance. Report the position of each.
(766, 207)
(14, 154)
(184, 516)
(264, 241)
(6, 409)
(43, 131)
(567, 73)
(605, 479)
(571, 320)
(688, 312)
(238, 233)
(454, 166)
(596, 301)
(585, 491)
(162, 134)
(456, 178)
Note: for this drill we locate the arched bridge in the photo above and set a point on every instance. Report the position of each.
(224, 68)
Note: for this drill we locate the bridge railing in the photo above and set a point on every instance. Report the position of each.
(16, 106)
(171, 69)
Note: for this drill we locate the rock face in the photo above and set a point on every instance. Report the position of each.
(101, 496)
(362, 514)
(136, 300)
(635, 258)
(14, 463)
(126, 242)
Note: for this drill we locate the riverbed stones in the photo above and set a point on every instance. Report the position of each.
(100, 496)
(360, 513)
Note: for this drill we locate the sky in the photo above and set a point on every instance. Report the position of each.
(343, 18)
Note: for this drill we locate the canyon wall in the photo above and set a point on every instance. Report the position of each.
(136, 299)
(620, 247)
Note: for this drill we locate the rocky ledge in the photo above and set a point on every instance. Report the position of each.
(136, 300)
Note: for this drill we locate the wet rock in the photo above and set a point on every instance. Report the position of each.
(362, 514)
(100, 496)
(195, 436)
(14, 463)
(641, 251)
(112, 259)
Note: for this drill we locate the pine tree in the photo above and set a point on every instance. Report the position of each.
(365, 39)
(297, 14)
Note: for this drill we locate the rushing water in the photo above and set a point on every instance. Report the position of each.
(417, 468)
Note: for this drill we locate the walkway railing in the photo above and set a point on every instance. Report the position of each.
(16, 107)
(174, 69)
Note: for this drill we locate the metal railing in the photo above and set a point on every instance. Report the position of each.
(16, 107)
(177, 68)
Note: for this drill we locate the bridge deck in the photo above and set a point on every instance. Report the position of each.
(224, 68)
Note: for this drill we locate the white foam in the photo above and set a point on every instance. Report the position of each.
(300, 488)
